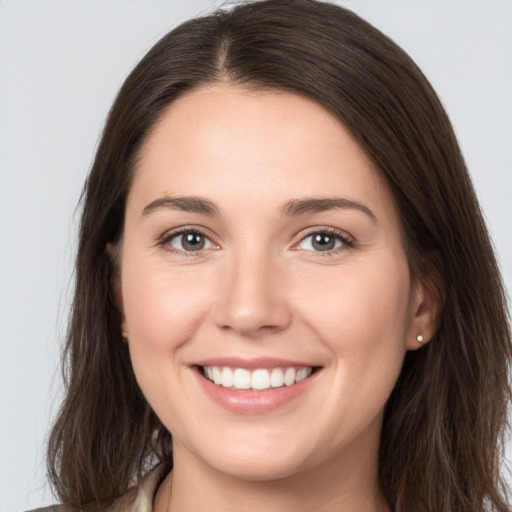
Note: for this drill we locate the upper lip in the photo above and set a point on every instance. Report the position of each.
(253, 363)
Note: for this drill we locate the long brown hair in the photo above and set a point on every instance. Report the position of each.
(444, 422)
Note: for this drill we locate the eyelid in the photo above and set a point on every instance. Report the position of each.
(347, 240)
(167, 236)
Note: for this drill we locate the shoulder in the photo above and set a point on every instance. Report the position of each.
(140, 498)
(136, 499)
(123, 504)
(49, 508)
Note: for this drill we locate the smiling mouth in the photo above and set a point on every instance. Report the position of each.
(259, 379)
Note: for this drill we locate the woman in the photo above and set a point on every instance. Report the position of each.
(282, 263)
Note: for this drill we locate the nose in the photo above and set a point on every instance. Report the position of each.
(252, 301)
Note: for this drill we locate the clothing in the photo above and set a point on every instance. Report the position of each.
(136, 499)
(139, 499)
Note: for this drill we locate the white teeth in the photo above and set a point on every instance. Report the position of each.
(289, 376)
(242, 379)
(259, 379)
(276, 378)
(302, 374)
(227, 377)
(217, 379)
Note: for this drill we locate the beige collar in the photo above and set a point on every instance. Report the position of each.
(139, 499)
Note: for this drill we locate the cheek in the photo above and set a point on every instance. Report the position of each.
(163, 307)
(362, 309)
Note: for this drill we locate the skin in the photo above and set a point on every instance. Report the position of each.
(260, 288)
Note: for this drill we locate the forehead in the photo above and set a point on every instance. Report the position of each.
(235, 144)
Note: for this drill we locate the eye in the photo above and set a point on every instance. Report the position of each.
(188, 241)
(323, 241)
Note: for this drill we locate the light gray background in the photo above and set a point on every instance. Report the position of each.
(61, 63)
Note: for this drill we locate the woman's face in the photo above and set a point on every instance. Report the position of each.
(262, 251)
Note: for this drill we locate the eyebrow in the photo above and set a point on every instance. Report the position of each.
(192, 204)
(297, 207)
(294, 207)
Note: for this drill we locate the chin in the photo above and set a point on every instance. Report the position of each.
(257, 461)
(259, 470)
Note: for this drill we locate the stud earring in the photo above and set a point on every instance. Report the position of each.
(419, 338)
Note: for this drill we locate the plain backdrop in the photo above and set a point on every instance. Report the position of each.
(61, 64)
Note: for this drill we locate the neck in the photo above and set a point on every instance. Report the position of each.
(351, 485)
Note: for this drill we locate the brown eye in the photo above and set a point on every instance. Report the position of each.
(323, 241)
(190, 241)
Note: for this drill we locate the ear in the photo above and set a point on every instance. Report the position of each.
(116, 287)
(427, 298)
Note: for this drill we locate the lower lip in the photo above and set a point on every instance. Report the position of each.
(253, 402)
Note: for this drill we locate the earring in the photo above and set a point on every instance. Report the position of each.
(419, 338)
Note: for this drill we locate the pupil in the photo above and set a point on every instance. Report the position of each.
(323, 242)
(193, 242)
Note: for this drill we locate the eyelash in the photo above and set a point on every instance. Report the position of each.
(346, 241)
(169, 236)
